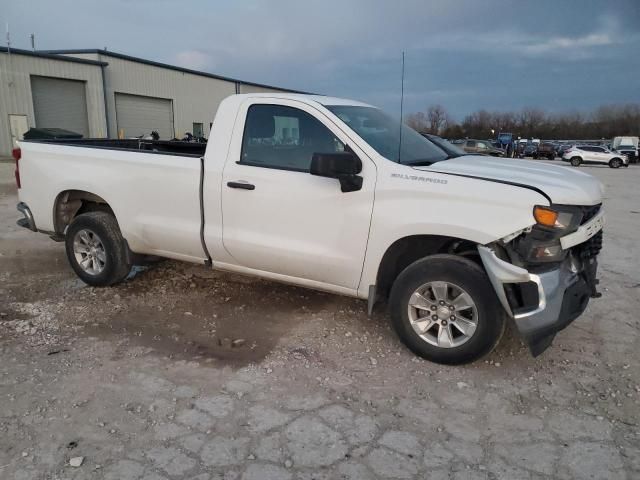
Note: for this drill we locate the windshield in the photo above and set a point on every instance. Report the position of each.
(383, 134)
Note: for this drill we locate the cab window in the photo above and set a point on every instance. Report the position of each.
(277, 136)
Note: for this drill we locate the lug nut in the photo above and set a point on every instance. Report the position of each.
(452, 318)
(441, 302)
(434, 317)
(451, 307)
(444, 323)
(433, 307)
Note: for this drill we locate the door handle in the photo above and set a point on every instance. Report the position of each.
(243, 185)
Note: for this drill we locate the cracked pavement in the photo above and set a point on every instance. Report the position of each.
(186, 373)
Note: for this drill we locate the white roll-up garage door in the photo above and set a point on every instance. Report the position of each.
(138, 115)
(60, 103)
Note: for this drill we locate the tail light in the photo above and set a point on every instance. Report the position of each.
(17, 155)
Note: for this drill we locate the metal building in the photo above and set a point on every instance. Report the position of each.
(49, 91)
(105, 94)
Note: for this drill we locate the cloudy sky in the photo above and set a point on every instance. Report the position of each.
(463, 54)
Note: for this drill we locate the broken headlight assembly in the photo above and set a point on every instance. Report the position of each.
(542, 243)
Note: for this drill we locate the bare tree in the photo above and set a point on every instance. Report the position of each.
(437, 116)
(606, 121)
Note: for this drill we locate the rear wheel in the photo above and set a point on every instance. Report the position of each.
(576, 161)
(96, 250)
(615, 163)
(445, 310)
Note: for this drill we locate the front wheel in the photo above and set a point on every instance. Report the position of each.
(615, 163)
(445, 310)
(576, 161)
(96, 250)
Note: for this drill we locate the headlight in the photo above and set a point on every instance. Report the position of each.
(542, 243)
(546, 253)
(558, 217)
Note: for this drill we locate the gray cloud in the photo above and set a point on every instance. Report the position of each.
(495, 54)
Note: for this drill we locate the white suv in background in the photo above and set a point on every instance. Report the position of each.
(577, 155)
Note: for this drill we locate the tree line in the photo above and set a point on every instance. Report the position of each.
(606, 121)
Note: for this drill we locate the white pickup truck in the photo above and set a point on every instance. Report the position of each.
(316, 191)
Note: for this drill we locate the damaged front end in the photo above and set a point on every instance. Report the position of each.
(544, 276)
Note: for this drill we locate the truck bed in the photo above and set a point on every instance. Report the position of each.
(153, 187)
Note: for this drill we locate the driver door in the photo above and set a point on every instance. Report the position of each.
(277, 217)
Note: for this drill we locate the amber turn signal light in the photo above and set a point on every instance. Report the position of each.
(545, 216)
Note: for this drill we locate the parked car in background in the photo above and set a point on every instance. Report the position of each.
(626, 146)
(545, 150)
(453, 151)
(629, 151)
(529, 150)
(590, 154)
(481, 147)
(563, 148)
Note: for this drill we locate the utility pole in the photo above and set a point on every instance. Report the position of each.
(33, 41)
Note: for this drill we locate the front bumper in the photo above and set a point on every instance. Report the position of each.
(562, 296)
(27, 220)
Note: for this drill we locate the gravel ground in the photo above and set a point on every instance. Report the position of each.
(182, 372)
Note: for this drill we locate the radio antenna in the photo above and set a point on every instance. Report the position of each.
(8, 40)
(401, 109)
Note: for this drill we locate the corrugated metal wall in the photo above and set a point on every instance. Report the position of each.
(16, 97)
(195, 97)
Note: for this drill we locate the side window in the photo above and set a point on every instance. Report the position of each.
(471, 143)
(198, 130)
(282, 137)
(598, 149)
(481, 145)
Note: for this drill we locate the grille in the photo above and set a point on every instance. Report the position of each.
(591, 248)
(589, 212)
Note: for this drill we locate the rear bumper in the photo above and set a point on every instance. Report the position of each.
(27, 220)
(563, 295)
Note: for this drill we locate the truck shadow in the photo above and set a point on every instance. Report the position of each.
(193, 313)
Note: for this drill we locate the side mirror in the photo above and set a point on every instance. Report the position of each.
(344, 166)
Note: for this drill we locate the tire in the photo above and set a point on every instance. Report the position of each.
(615, 163)
(576, 161)
(460, 275)
(96, 250)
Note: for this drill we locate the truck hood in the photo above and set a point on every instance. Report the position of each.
(564, 185)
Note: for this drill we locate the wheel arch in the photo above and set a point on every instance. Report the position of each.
(406, 250)
(71, 203)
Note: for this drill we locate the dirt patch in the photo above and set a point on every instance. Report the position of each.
(204, 315)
